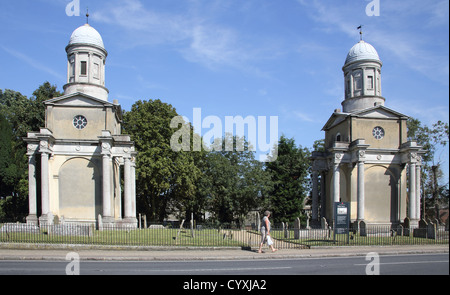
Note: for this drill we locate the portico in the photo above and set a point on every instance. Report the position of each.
(76, 161)
(367, 159)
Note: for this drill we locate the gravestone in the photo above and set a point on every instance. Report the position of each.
(20, 228)
(286, 231)
(70, 230)
(423, 223)
(421, 232)
(297, 229)
(362, 228)
(406, 227)
(399, 229)
(431, 231)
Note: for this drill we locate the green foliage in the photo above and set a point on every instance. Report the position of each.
(226, 184)
(164, 178)
(233, 182)
(290, 177)
(18, 115)
(433, 140)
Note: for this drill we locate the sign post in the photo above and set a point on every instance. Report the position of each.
(342, 219)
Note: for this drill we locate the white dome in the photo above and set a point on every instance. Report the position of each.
(362, 51)
(86, 35)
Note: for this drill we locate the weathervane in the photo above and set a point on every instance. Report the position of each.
(360, 32)
(87, 15)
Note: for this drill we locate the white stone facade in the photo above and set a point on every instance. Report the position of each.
(368, 160)
(77, 161)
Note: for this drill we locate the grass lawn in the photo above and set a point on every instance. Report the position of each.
(132, 237)
(384, 239)
(212, 238)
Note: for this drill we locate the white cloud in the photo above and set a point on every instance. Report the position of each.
(197, 38)
(142, 25)
(392, 32)
(303, 116)
(33, 62)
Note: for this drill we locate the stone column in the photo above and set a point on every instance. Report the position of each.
(32, 199)
(315, 195)
(45, 187)
(418, 191)
(106, 184)
(412, 191)
(336, 182)
(133, 188)
(360, 193)
(127, 187)
(129, 193)
(323, 194)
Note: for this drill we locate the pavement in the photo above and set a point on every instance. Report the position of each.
(105, 253)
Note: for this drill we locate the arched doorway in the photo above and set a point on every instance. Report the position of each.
(80, 190)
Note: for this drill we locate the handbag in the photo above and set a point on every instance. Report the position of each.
(269, 241)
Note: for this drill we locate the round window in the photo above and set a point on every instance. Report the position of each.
(79, 122)
(378, 132)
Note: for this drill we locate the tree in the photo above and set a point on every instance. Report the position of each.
(165, 179)
(8, 167)
(233, 183)
(19, 115)
(289, 174)
(432, 140)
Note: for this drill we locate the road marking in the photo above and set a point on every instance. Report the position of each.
(405, 262)
(219, 269)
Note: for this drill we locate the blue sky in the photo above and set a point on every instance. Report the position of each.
(239, 57)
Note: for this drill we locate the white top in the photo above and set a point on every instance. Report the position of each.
(86, 35)
(362, 51)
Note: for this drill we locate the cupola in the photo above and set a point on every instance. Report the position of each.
(86, 57)
(362, 74)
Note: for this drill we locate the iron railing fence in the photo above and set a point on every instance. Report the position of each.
(207, 236)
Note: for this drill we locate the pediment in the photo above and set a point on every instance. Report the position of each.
(335, 119)
(380, 112)
(78, 99)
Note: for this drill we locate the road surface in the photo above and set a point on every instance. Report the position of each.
(417, 264)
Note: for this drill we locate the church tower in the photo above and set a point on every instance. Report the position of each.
(367, 159)
(79, 159)
(86, 57)
(362, 72)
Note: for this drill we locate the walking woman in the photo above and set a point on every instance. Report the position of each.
(265, 233)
